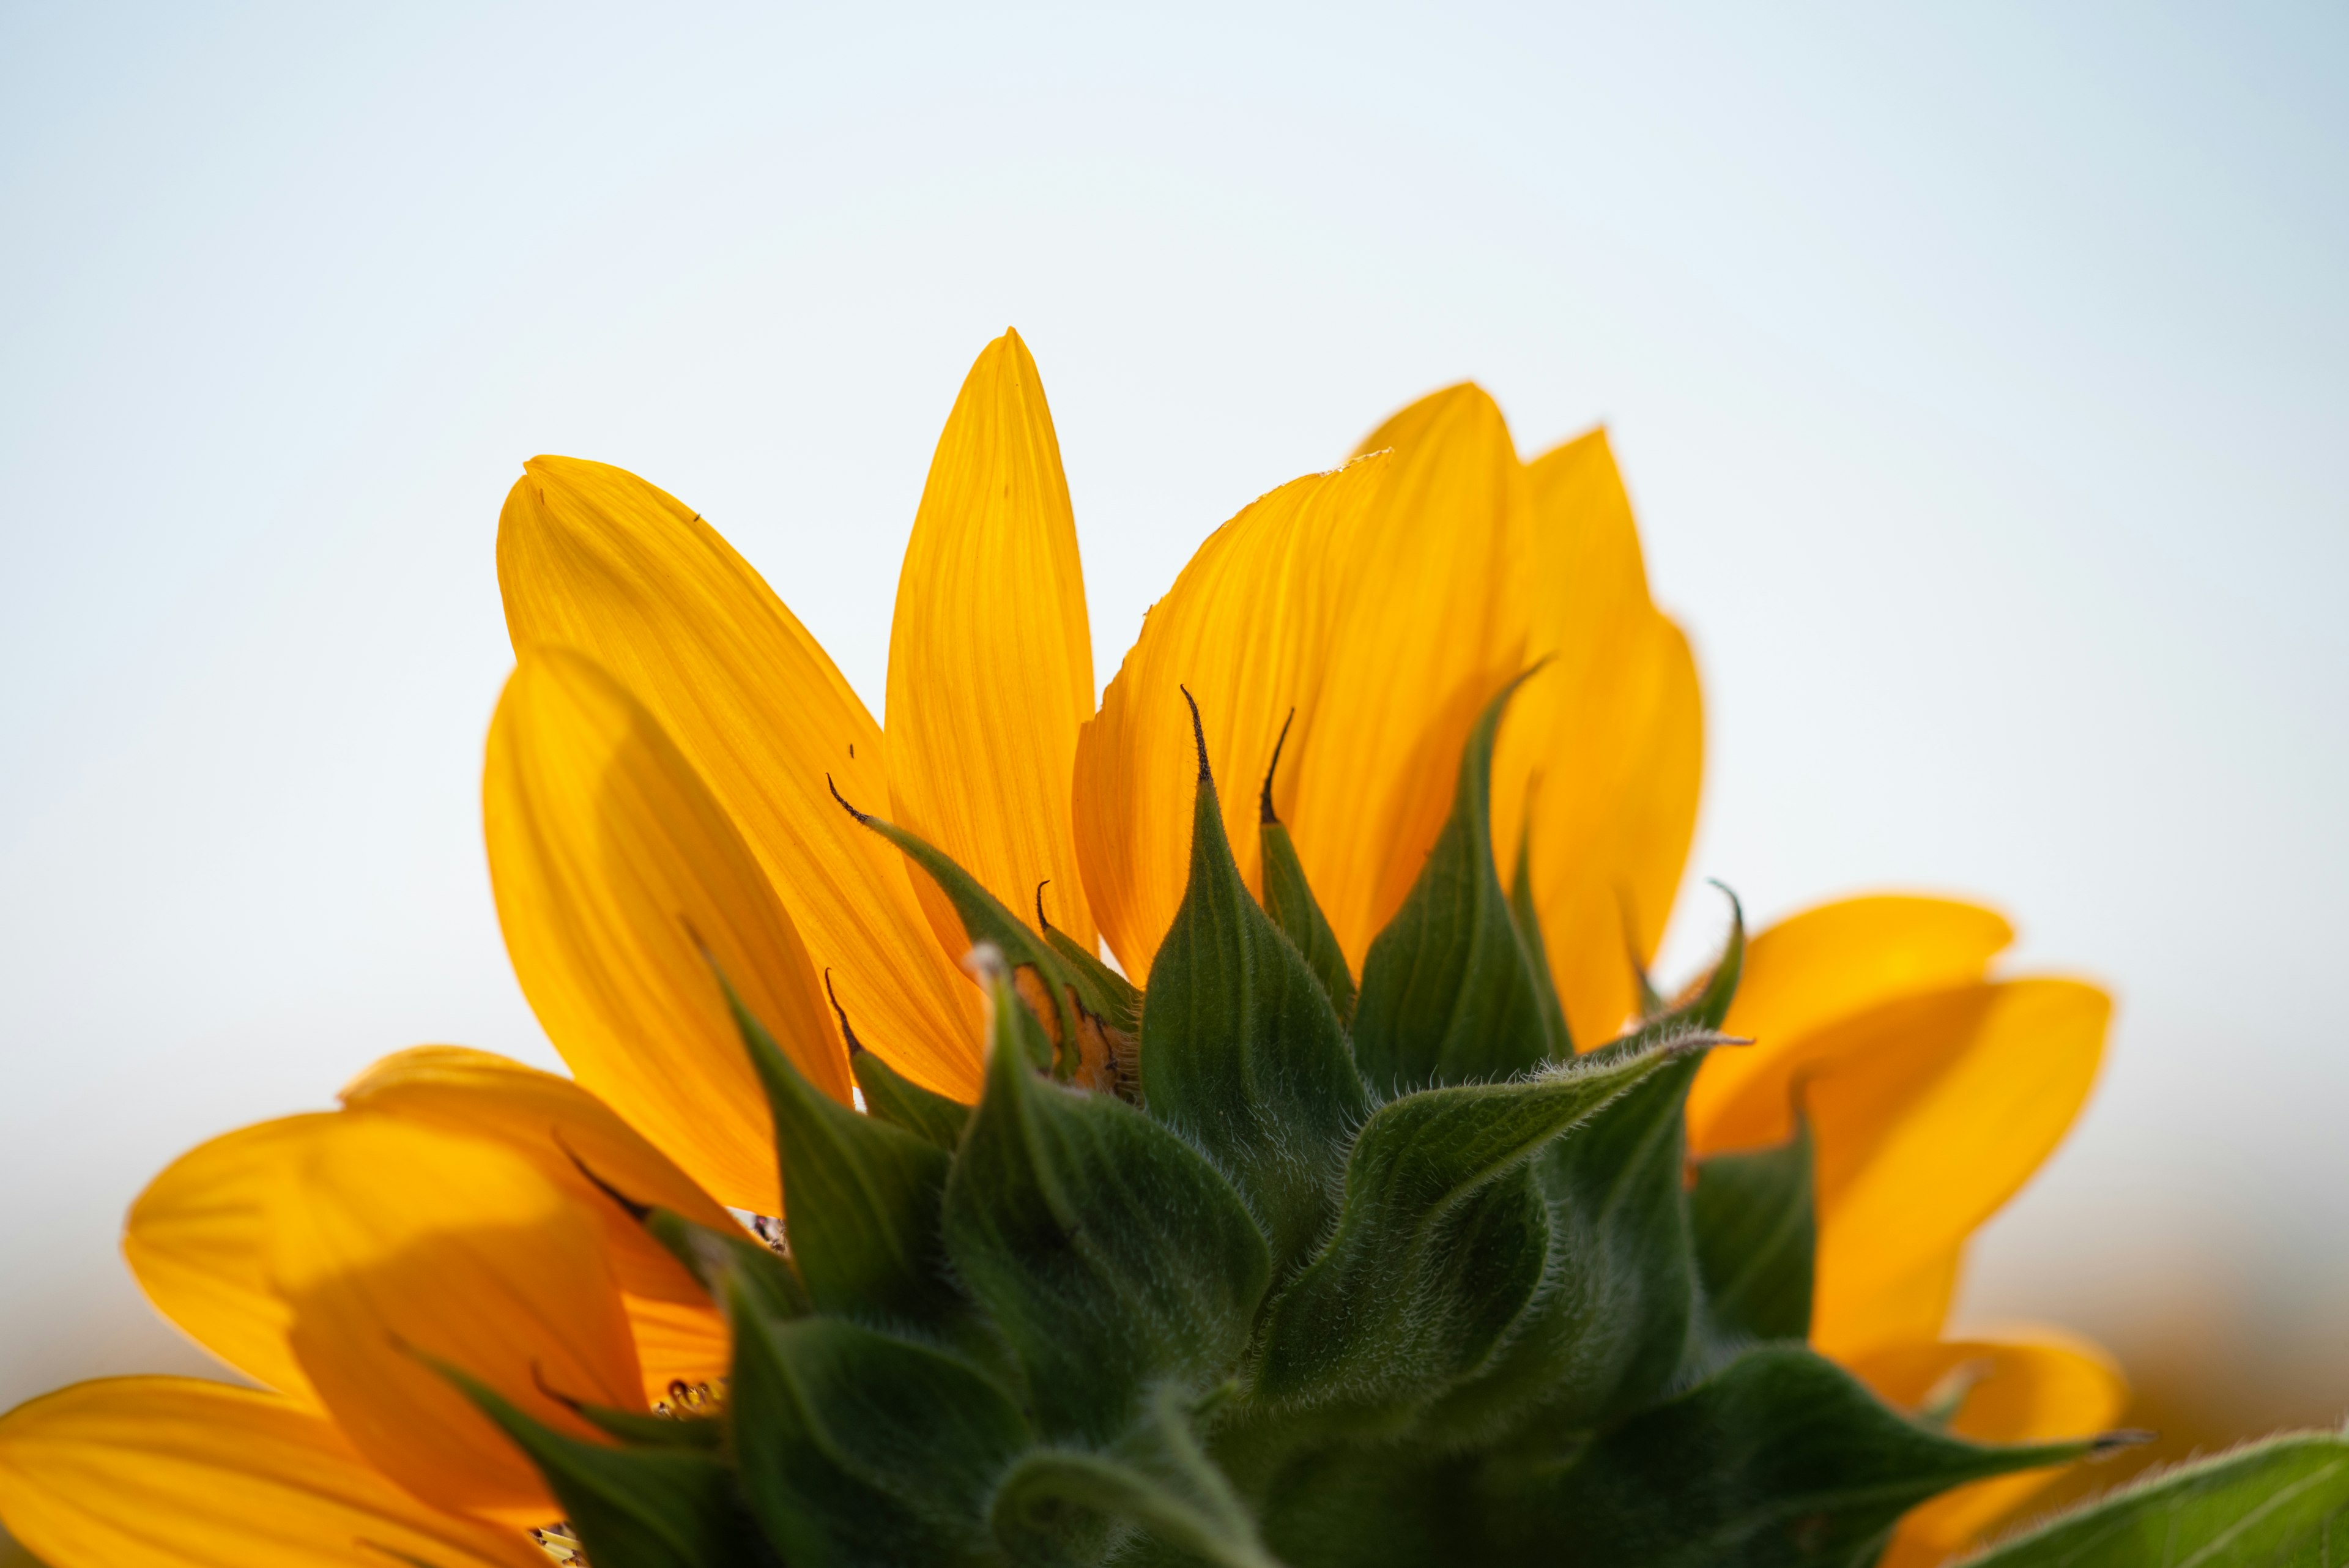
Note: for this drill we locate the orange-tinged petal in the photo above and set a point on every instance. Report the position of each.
(170, 1472)
(1929, 1114)
(1816, 968)
(198, 1240)
(1427, 604)
(403, 1243)
(614, 868)
(1599, 763)
(2045, 1387)
(593, 557)
(1241, 628)
(568, 1134)
(991, 660)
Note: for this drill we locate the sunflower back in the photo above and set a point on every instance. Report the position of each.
(1252, 1269)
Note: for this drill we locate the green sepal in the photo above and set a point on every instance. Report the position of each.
(892, 1097)
(1288, 899)
(1109, 1253)
(2282, 1502)
(1756, 1234)
(1780, 1458)
(1107, 994)
(1448, 994)
(635, 1506)
(986, 920)
(1527, 920)
(713, 1256)
(1441, 1238)
(642, 1430)
(860, 1196)
(856, 1447)
(1158, 1480)
(1241, 1050)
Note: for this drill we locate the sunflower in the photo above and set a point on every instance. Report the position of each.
(681, 799)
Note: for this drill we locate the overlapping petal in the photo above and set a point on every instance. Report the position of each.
(198, 1241)
(593, 557)
(2035, 1388)
(1600, 762)
(578, 1143)
(1426, 606)
(404, 1247)
(619, 881)
(170, 1472)
(991, 657)
(1242, 630)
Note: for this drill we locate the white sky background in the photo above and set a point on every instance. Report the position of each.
(1982, 378)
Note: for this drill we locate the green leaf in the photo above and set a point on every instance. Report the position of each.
(1528, 919)
(1290, 900)
(859, 1448)
(1241, 1051)
(712, 1257)
(1441, 1239)
(1756, 1236)
(1448, 992)
(1158, 1479)
(1109, 1254)
(1779, 1459)
(632, 1507)
(894, 1097)
(860, 1196)
(1081, 1011)
(2279, 1503)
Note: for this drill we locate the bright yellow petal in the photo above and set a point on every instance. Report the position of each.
(1930, 1112)
(170, 1473)
(1242, 630)
(1603, 751)
(2045, 1387)
(1426, 602)
(561, 1128)
(402, 1241)
(596, 558)
(1817, 969)
(198, 1240)
(614, 868)
(990, 660)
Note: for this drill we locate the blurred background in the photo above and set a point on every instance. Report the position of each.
(1981, 373)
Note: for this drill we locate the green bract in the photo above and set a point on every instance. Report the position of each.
(1317, 1277)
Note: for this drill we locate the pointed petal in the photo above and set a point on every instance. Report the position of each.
(401, 1242)
(1812, 970)
(198, 1240)
(1930, 1114)
(991, 660)
(568, 1134)
(593, 557)
(170, 1472)
(1426, 611)
(2045, 1387)
(1600, 766)
(1241, 628)
(614, 868)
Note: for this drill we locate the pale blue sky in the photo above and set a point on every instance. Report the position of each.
(1981, 373)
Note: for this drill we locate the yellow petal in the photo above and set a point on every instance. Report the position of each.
(198, 1240)
(613, 868)
(1427, 608)
(1600, 762)
(2035, 1389)
(1242, 630)
(170, 1473)
(1815, 969)
(401, 1242)
(596, 558)
(1930, 1112)
(561, 1128)
(990, 660)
